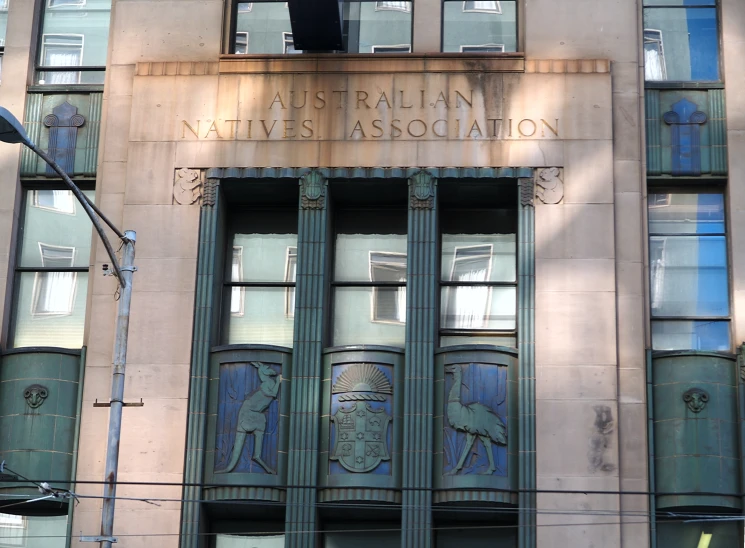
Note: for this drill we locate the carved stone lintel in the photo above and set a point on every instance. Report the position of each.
(187, 186)
(35, 395)
(549, 185)
(527, 192)
(696, 399)
(422, 190)
(313, 187)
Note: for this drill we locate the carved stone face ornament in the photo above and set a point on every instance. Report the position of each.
(35, 395)
(696, 399)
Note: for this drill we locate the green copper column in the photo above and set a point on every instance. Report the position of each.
(206, 306)
(526, 356)
(307, 367)
(421, 330)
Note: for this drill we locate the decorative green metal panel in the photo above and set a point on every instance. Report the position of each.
(686, 132)
(206, 310)
(247, 409)
(39, 411)
(477, 383)
(696, 444)
(361, 426)
(526, 361)
(39, 106)
(301, 518)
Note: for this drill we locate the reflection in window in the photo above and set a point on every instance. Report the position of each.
(689, 287)
(241, 43)
(482, 5)
(484, 48)
(654, 55)
(403, 48)
(290, 277)
(467, 307)
(245, 7)
(33, 531)
(62, 50)
(479, 24)
(63, 3)
(388, 306)
(289, 43)
(236, 275)
(54, 292)
(392, 5)
(61, 201)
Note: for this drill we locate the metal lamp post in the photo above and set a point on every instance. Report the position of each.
(11, 131)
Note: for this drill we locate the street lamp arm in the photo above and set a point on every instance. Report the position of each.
(93, 212)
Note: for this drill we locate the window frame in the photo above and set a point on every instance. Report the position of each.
(289, 42)
(375, 293)
(42, 277)
(662, 236)
(382, 49)
(497, 10)
(76, 4)
(235, 42)
(379, 7)
(476, 46)
(76, 69)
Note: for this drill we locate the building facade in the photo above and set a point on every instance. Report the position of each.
(416, 274)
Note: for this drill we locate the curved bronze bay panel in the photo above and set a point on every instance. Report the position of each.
(247, 422)
(38, 416)
(476, 424)
(361, 429)
(696, 447)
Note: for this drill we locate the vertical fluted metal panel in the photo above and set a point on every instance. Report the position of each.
(526, 355)
(717, 132)
(204, 314)
(654, 151)
(421, 330)
(94, 130)
(307, 368)
(32, 123)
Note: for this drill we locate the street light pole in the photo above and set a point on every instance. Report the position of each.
(11, 131)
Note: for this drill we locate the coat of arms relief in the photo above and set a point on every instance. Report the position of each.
(361, 412)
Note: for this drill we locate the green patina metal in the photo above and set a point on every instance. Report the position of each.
(309, 396)
(39, 415)
(650, 445)
(696, 440)
(41, 105)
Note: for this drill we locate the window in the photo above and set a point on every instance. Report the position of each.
(482, 6)
(403, 48)
(51, 280)
(241, 43)
(688, 271)
(479, 24)
(3, 27)
(369, 279)
(485, 48)
(259, 286)
(478, 273)
(85, 47)
(393, 5)
(27, 530)
(369, 27)
(690, 34)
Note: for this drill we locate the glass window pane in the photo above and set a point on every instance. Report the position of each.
(244, 541)
(681, 44)
(688, 276)
(56, 230)
(479, 24)
(679, 2)
(479, 257)
(74, 33)
(478, 307)
(691, 335)
(686, 213)
(50, 309)
(369, 315)
(495, 339)
(370, 258)
(257, 315)
(33, 531)
(4, 4)
(263, 258)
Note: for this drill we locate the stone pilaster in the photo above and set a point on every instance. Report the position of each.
(421, 333)
(305, 392)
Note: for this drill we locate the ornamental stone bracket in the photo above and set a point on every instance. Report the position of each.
(187, 186)
(696, 399)
(549, 185)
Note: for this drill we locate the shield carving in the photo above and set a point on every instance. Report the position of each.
(361, 437)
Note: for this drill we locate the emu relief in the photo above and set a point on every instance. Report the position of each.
(251, 418)
(600, 440)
